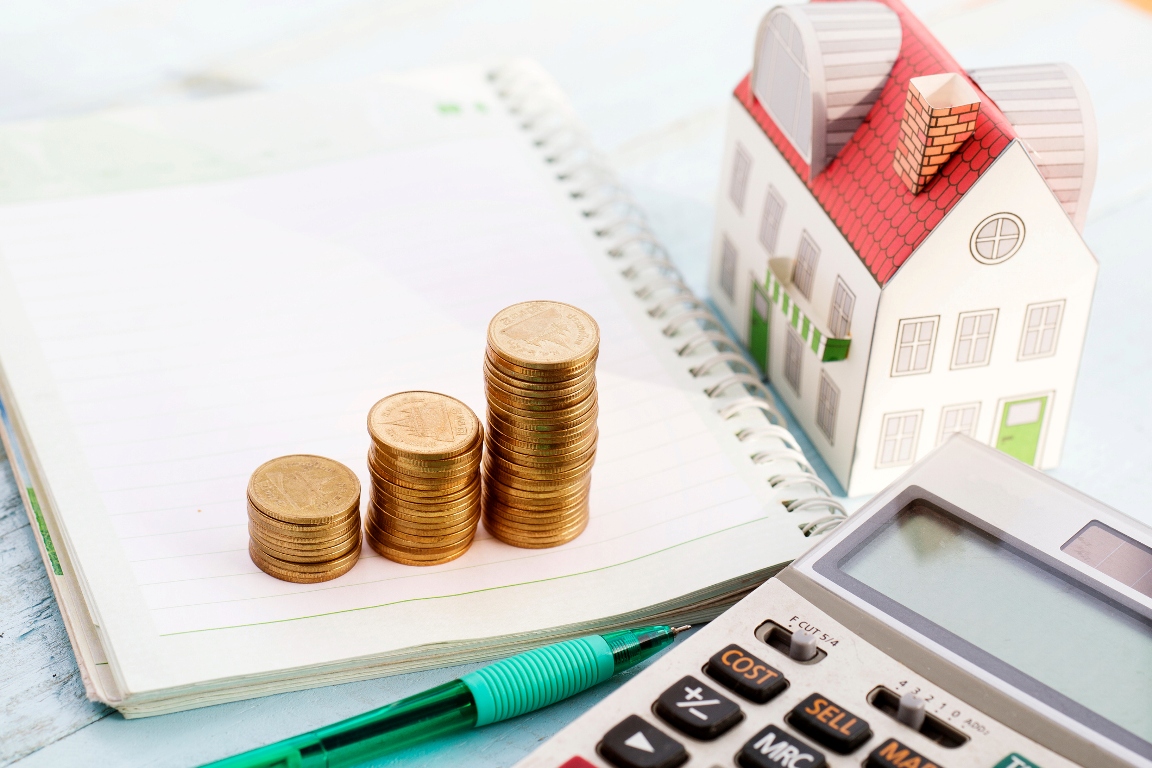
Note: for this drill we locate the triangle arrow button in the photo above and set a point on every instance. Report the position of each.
(639, 741)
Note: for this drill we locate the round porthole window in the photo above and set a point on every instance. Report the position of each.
(997, 238)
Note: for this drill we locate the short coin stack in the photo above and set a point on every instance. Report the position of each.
(304, 518)
(425, 465)
(540, 374)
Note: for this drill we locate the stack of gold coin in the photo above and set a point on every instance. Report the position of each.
(304, 518)
(425, 465)
(540, 375)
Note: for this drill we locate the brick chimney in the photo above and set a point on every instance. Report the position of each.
(939, 116)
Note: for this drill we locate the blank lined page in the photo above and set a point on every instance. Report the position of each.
(197, 330)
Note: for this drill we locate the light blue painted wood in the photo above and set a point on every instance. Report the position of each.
(41, 695)
(651, 79)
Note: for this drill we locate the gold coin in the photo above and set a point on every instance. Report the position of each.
(416, 549)
(515, 450)
(533, 486)
(294, 542)
(535, 407)
(446, 499)
(535, 436)
(447, 473)
(542, 384)
(531, 542)
(549, 376)
(519, 512)
(316, 555)
(417, 486)
(546, 416)
(550, 521)
(546, 461)
(426, 515)
(501, 430)
(304, 532)
(302, 575)
(438, 542)
(544, 335)
(399, 525)
(435, 492)
(495, 485)
(405, 558)
(304, 490)
(560, 474)
(424, 425)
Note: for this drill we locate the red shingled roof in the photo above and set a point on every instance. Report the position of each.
(860, 190)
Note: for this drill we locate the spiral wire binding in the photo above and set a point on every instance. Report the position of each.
(616, 218)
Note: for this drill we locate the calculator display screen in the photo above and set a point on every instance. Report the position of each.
(1029, 618)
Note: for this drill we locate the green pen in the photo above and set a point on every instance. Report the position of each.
(508, 688)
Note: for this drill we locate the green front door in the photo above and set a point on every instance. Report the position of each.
(758, 326)
(1020, 425)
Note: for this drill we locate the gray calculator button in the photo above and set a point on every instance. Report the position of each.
(698, 710)
(633, 743)
(774, 748)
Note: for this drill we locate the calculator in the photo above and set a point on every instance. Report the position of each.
(974, 613)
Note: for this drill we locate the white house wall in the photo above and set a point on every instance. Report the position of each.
(837, 258)
(943, 279)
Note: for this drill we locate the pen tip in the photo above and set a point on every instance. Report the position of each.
(678, 630)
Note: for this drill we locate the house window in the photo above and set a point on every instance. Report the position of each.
(958, 418)
(915, 340)
(898, 437)
(739, 186)
(793, 359)
(997, 238)
(974, 339)
(806, 258)
(782, 84)
(1041, 327)
(728, 259)
(770, 222)
(840, 317)
(826, 406)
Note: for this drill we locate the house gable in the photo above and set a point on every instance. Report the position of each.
(860, 190)
(946, 282)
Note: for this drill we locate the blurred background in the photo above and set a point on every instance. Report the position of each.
(651, 80)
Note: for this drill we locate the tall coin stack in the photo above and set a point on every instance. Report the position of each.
(304, 518)
(540, 375)
(425, 465)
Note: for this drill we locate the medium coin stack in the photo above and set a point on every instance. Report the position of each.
(304, 518)
(425, 465)
(540, 375)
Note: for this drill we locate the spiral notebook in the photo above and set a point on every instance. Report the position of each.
(189, 290)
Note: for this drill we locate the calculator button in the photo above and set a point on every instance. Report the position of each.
(773, 748)
(745, 674)
(830, 724)
(893, 754)
(693, 708)
(635, 744)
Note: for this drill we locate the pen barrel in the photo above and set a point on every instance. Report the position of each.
(439, 711)
(539, 677)
(436, 712)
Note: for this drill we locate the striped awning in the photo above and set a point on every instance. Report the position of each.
(826, 347)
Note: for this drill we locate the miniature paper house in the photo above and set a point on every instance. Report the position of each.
(897, 241)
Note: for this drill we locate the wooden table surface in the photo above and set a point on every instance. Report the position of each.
(651, 78)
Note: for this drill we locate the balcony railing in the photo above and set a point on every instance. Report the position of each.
(778, 285)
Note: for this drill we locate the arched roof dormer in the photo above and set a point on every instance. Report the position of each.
(819, 68)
